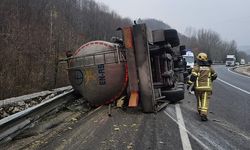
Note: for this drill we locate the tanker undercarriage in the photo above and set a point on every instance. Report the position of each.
(145, 65)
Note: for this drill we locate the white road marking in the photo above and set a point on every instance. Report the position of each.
(238, 73)
(247, 92)
(189, 133)
(184, 136)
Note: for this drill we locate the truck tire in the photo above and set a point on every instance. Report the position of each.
(174, 95)
(181, 77)
(171, 36)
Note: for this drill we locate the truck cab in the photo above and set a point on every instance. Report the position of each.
(230, 60)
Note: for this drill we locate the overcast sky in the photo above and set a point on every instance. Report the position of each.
(229, 18)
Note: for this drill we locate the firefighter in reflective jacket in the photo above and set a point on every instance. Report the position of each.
(202, 76)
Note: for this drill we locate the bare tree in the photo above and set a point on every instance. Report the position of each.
(35, 34)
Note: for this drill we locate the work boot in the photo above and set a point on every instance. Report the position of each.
(203, 117)
(199, 112)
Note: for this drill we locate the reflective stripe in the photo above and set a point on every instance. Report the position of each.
(203, 88)
(207, 86)
(197, 80)
(190, 82)
(214, 76)
(199, 101)
(204, 107)
(209, 79)
(194, 73)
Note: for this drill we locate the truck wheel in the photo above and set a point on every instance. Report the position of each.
(172, 37)
(174, 95)
(181, 77)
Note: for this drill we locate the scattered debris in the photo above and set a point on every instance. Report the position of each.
(73, 119)
(120, 102)
(16, 104)
(133, 125)
(211, 112)
(111, 141)
(117, 129)
(84, 141)
(214, 120)
(130, 146)
(37, 141)
(79, 105)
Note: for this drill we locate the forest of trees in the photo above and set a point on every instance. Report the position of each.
(203, 40)
(211, 43)
(35, 34)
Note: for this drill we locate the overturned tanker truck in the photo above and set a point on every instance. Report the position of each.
(146, 65)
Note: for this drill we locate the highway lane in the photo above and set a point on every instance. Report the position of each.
(233, 102)
(228, 126)
(233, 78)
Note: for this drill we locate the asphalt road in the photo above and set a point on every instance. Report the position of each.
(232, 92)
(176, 127)
(228, 126)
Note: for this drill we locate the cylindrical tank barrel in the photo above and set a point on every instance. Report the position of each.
(97, 70)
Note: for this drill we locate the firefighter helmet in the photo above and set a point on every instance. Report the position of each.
(202, 57)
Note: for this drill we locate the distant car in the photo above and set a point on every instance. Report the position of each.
(189, 57)
(237, 63)
(242, 61)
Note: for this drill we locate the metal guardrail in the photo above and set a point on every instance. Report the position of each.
(16, 123)
(32, 96)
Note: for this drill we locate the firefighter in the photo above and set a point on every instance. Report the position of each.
(201, 77)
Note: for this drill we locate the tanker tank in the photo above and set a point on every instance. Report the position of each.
(97, 70)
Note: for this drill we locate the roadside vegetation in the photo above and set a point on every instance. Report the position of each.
(203, 40)
(211, 43)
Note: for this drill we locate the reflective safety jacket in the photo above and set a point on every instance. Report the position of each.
(202, 77)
